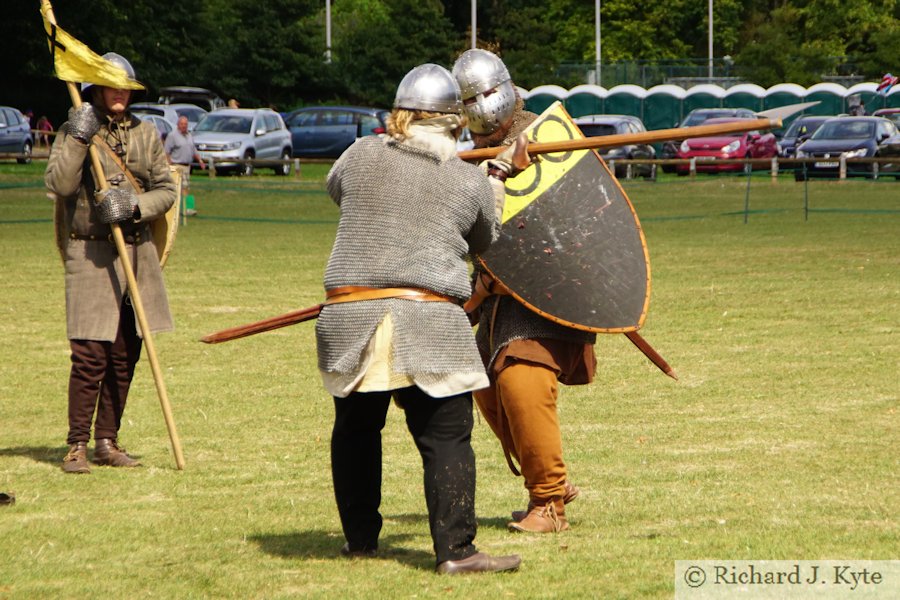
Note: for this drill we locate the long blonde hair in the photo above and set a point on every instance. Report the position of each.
(400, 119)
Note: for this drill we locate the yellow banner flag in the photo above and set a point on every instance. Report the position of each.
(76, 62)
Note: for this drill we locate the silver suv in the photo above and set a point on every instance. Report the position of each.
(240, 139)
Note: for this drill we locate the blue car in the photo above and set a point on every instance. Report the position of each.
(15, 134)
(800, 130)
(847, 137)
(326, 131)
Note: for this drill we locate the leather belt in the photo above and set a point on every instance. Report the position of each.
(130, 238)
(355, 293)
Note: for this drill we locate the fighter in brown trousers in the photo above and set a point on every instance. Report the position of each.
(525, 354)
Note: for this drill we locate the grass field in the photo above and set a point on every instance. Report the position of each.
(780, 441)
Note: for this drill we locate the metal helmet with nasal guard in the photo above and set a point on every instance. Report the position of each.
(489, 97)
(121, 62)
(429, 87)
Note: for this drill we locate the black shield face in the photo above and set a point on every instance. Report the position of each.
(571, 247)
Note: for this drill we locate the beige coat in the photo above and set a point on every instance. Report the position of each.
(95, 279)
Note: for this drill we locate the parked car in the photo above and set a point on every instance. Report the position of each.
(799, 131)
(599, 125)
(162, 125)
(159, 110)
(15, 134)
(892, 114)
(231, 134)
(202, 97)
(699, 116)
(712, 152)
(170, 112)
(326, 131)
(848, 137)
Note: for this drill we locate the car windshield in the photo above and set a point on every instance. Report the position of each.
(191, 113)
(225, 123)
(597, 130)
(801, 127)
(843, 130)
(698, 118)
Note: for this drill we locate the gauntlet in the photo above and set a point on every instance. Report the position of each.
(116, 206)
(83, 122)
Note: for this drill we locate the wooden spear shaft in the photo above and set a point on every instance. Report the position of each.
(624, 139)
(119, 238)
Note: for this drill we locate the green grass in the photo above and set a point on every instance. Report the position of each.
(778, 442)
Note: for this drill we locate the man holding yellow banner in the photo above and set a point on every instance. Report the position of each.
(138, 189)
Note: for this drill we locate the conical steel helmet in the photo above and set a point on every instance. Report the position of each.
(487, 90)
(118, 60)
(429, 87)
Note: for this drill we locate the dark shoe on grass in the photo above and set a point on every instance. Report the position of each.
(358, 553)
(76, 459)
(480, 563)
(108, 452)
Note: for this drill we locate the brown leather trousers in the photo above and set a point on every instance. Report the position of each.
(100, 378)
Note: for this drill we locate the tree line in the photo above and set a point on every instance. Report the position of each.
(273, 52)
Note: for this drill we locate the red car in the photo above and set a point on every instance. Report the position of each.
(709, 151)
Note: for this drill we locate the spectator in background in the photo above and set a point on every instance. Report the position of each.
(234, 103)
(29, 114)
(44, 128)
(181, 153)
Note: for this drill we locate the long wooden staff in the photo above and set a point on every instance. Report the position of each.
(311, 312)
(655, 357)
(100, 179)
(291, 318)
(624, 139)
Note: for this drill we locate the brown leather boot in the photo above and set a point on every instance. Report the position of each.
(545, 518)
(108, 452)
(76, 459)
(571, 492)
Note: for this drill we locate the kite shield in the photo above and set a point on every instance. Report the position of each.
(165, 228)
(571, 248)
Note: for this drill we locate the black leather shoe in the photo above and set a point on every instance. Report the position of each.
(480, 563)
(364, 553)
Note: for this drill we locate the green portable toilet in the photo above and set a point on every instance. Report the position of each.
(705, 95)
(830, 98)
(782, 94)
(585, 99)
(867, 92)
(744, 95)
(892, 99)
(538, 99)
(625, 99)
(662, 106)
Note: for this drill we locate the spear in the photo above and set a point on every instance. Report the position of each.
(133, 292)
(624, 139)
